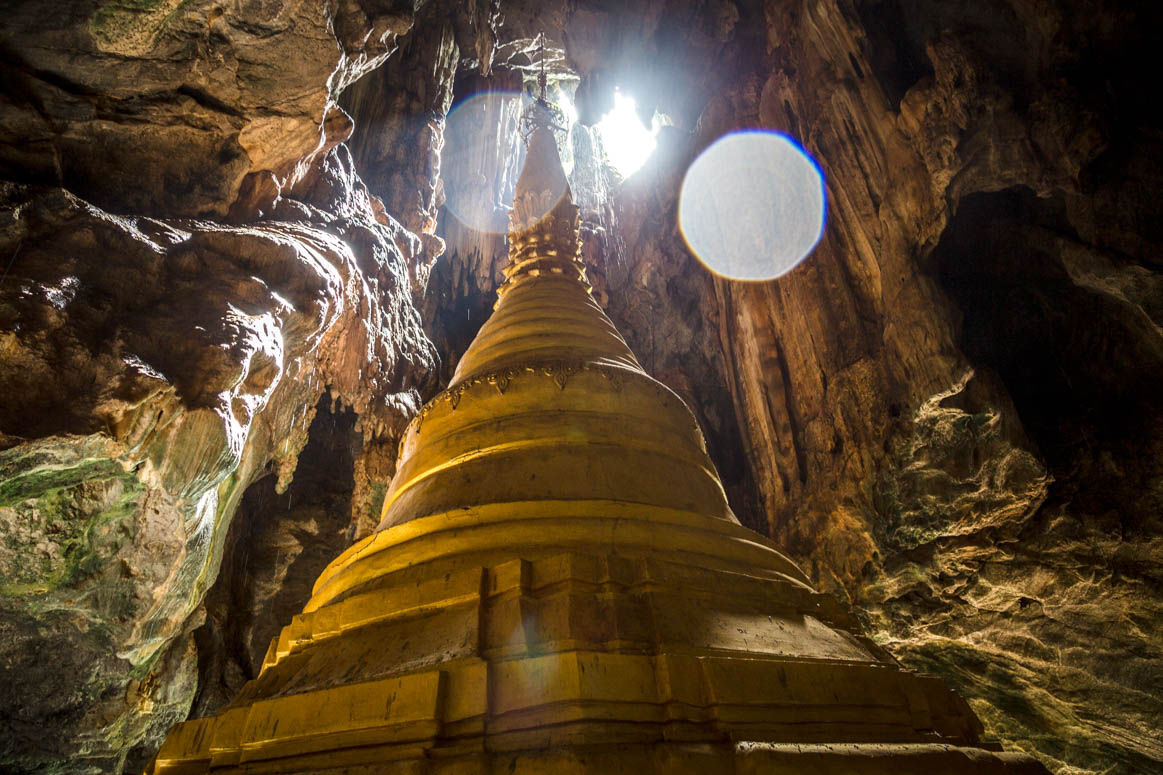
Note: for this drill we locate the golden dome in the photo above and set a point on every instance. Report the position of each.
(548, 403)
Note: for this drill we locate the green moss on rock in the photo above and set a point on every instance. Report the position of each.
(61, 521)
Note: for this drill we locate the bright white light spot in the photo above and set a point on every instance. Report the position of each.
(752, 206)
(626, 141)
(567, 108)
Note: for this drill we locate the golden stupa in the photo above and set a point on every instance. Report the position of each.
(559, 586)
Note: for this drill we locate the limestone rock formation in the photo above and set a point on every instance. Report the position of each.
(153, 368)
(206, 97)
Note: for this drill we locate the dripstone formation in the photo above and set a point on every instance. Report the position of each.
(558, 585)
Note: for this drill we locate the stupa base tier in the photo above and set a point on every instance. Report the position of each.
(666, 758)
(554, 661)
(576, 698)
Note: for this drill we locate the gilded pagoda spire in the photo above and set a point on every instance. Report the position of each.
(558, 586)
(544, 311)
(513, 428)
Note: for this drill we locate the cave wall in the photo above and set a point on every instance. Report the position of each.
(950, 411)
(190, 262)
(231, 280)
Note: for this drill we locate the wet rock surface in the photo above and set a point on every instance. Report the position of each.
(153, 370)
(212, 331)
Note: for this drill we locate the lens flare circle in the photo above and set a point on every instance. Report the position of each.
(752, 206)
(474, 160)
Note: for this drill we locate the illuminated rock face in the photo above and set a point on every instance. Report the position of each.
(558, 585)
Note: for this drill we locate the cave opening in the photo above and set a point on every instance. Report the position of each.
(627, 142)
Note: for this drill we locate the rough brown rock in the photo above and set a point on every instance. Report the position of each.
(154, 367)
(152, 370)
(197, 95)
